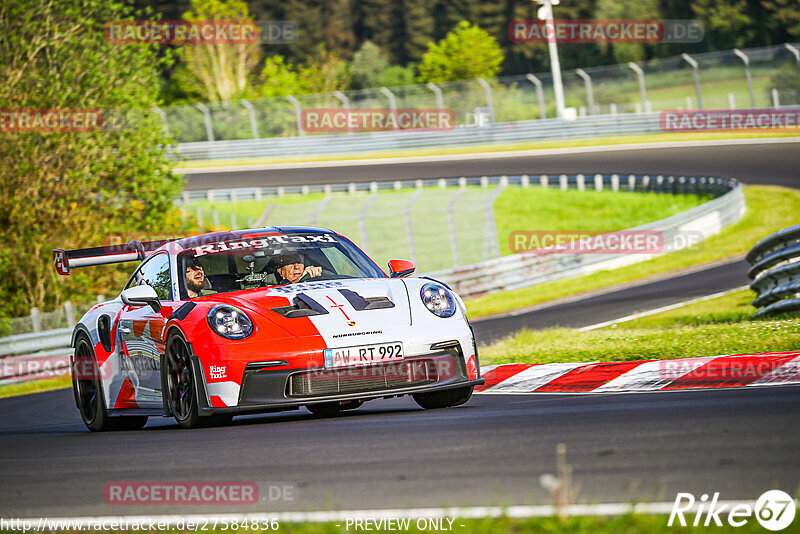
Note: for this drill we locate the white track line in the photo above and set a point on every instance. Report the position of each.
(659, 310)
(473, 512)
(482, 155)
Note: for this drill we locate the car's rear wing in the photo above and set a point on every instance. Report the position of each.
(65, 260)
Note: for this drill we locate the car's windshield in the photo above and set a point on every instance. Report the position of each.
(271, 259)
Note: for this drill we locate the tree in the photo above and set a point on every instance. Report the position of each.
(616, 10)
(219, 72)
(280, 79)
(396, 75)
(727, 24)
(325, 72)
(72, 189)
(466, 52)
(367, 66)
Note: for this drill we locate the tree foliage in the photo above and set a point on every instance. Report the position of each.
(368, 64)
(72, 189)
(223, 71)
(466, 52)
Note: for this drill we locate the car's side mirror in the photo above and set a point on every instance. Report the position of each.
(142, 295)
(401, 268)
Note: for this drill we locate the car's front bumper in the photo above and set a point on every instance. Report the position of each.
(276, 389)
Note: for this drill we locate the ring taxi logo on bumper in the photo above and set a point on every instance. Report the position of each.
(774, 510)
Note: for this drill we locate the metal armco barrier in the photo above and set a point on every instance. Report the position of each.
(509, 132)
(497, 133)
(33, 356)
(525, 269)
(775, 272)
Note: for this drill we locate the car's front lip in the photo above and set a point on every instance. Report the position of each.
(297, 403)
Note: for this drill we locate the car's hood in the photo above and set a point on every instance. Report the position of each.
(344, 307)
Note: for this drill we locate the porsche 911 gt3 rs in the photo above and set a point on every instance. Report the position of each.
(260, 320)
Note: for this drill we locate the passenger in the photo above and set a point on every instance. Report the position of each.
(195, 278)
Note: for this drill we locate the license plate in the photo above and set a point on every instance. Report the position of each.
(363, 355)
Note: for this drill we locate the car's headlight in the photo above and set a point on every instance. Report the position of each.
(229, 322)
(438, 300)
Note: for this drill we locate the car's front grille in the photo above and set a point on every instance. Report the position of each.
(401, 374)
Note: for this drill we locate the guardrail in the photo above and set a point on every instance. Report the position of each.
(44, 354)
(505, 132)
(34, 356)
(775, 272)
(495, 133)
(525, 269)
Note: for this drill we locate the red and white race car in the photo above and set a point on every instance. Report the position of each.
(260, 320)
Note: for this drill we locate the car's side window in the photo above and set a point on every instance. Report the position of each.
(155, 273)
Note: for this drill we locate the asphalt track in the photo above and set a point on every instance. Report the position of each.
(761, 163)
(389, 454)
(610, 305)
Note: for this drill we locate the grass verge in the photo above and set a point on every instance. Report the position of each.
(628, 524)
(35, 386)
(709, 328)
(476, 149)
(769, 208)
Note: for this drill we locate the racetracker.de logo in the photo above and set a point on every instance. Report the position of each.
(586, 242)
(335, 120)
(51, 120)
(182, 32)
(180, 493)
(724, 119)
(605, 31)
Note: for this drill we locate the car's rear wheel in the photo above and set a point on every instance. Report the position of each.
(179, 387)
(332, 409)
(89, 393)
(444, 399)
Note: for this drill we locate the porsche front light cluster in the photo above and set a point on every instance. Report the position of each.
(438, 300)
(229, 322)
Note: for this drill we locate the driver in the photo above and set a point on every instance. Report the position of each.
(291, 269)
(195, 278)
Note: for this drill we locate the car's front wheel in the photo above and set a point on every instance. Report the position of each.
(178, 384)
(444, 399)
(88, 390)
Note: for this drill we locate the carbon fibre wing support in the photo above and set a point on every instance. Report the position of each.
(64, 260)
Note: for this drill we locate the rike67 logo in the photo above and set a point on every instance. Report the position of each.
(774, 510)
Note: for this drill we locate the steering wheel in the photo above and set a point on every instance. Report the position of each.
(326, 275)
